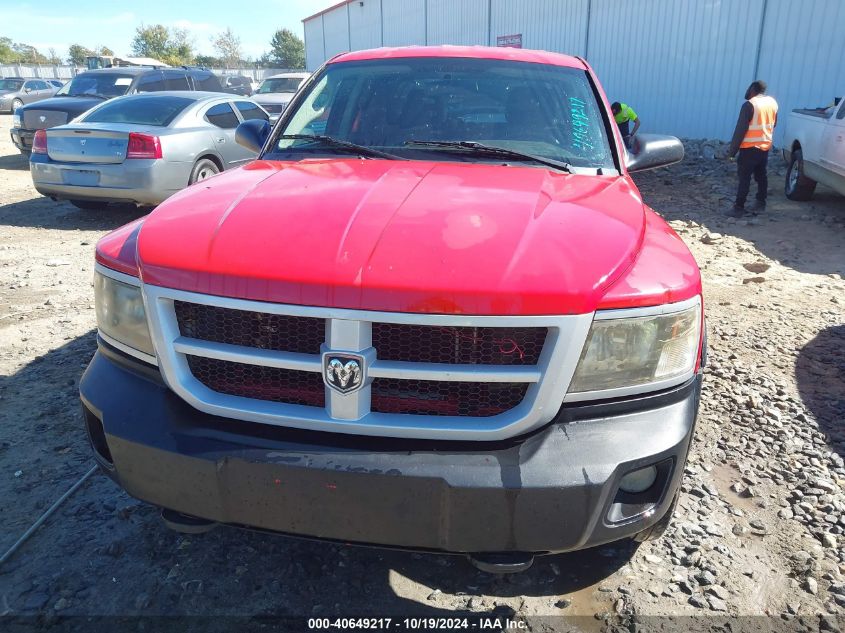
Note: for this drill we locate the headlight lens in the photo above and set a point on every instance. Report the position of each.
(16, 120)
(638, 351)
(121, 314)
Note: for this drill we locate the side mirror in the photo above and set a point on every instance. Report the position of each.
(27, 90)
(252, 134)
(650, 151)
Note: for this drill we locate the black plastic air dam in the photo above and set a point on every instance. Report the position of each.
(548, 492)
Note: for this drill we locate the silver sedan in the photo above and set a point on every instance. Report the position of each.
(141, 148)
(17, 91)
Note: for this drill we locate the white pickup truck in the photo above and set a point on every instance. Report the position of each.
(814, 148)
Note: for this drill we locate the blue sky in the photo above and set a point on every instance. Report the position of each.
(58, 23)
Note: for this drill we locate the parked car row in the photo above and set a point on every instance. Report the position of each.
(90, 88)
(141, 148)
(138, 134)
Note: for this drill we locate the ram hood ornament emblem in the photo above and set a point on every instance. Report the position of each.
(343, 372)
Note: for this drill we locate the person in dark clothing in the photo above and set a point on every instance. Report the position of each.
(752, 139)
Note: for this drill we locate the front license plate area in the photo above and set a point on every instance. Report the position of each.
(81, 177)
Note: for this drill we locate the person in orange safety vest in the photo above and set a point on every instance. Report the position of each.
(753, 139)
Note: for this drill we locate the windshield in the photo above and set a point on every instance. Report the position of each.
(140, 110)
(281, 84)
(97, 84)
(538, 109)
(11, 84)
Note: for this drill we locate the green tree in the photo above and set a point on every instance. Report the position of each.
(287, 50)
(228, 45)
(172, 46)
(7, 53)
(181, 48)
(28, 54)
(151, 41)
(209, 61)
(76, 54)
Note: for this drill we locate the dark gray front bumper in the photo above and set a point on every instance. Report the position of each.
(22, 138)
(548, 492)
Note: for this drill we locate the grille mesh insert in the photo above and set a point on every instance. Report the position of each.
(251, 329)
(458, 345)
(260, 383)
(433, 397)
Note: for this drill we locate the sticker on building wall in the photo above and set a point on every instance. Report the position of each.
(510, 41)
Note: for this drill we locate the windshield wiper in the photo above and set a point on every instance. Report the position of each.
(363, 150)
(81, 94)
(481, 148)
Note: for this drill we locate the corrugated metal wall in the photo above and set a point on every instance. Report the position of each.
(315, 54)
(336, 31)
(549, 25)
(683, 65)
(364, 25)
(404, 22)
(463, 22)
(802, 56)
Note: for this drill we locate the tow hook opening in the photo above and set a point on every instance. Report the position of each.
(186, 523)
(502, 563)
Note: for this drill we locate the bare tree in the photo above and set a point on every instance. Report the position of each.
(228, 46)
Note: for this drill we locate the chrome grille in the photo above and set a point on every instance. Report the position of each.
(32, 119)
(402, 342)
(426, 376)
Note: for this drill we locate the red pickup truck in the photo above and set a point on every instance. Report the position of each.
(434, 314)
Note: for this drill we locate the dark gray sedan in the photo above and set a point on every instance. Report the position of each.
(17, 91)
(141, 148)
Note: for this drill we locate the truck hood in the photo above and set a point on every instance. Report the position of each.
(74, 106)
(407, 236)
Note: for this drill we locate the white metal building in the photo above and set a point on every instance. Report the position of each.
(683, 65)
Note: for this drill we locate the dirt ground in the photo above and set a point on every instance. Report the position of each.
(760, 528)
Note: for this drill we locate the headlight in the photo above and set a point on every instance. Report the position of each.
(625, 352)
(120, 313)
(16, 120)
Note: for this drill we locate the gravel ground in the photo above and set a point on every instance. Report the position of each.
(759, 530)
